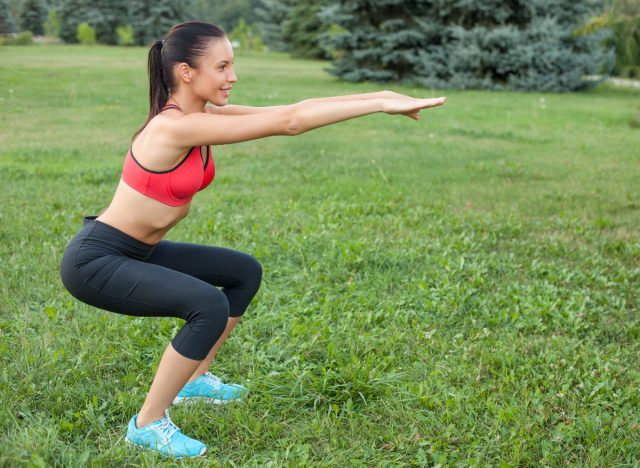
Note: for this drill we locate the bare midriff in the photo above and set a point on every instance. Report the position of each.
(136, 214)
(141, 217)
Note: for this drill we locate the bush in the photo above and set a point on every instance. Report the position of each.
(626, 33)
(52, 25)
(125, 35)
(22, 38)
(624, 21)
(86, 34)
(247, 36)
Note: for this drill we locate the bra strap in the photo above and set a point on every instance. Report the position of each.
(170, 106)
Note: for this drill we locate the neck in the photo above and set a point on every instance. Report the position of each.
(188, 104)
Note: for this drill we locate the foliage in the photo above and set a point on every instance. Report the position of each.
(32, 16)
(519, 44)
(86, 34)
(271, 16)
(52, 24)
(7, 23)
(627, 42)
(125, 35)
(247, 37)
(224, 13)
(152, 19)
(20, 39)
(624, 20)
(303, 28)
(149, 19)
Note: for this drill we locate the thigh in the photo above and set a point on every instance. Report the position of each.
(133, 287)
(219, 266)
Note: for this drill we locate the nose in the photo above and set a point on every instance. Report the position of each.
(232, 78)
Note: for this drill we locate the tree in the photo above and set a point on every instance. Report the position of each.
(302, 29)
(225, 13)
(246, 35)
(497, 44)
(152, 19)
(32, 16)
(149, 19)
(624, 20)
(271, 15)
(52, 25)
(7, 24)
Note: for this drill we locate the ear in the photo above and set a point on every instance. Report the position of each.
(184, 72)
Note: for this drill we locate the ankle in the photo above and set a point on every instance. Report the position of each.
(144, 419)
(195, 376)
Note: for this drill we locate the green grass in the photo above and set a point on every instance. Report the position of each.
(462, 290)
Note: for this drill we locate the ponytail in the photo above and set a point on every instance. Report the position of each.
(158, 91)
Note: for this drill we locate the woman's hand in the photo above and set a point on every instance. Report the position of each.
(408, 106)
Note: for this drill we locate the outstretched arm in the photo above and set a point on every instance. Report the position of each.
(233, 109)
(198, 128)
(307, 115)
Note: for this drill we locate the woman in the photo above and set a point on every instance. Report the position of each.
(119, 261)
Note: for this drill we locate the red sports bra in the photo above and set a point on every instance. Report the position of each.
(176, 186)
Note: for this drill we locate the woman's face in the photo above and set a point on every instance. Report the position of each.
(214, 77)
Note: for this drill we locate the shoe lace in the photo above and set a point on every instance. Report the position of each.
(167, 428)
(213, 380)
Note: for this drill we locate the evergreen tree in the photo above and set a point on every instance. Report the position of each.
(32, 16)
(302, 29)
(149, 19)
(271, 15)
(104, 17)
(225, 13)
(152, 19)
(496, 44)
(7, 25)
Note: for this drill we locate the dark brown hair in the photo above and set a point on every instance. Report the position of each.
(185, 42)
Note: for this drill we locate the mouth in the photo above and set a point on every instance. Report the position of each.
(226, 91)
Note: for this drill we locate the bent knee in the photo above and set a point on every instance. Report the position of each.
(209, 310)
(256, 271)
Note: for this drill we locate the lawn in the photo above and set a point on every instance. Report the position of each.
(461, 291)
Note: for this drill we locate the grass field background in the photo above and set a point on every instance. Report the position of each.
(462, 290)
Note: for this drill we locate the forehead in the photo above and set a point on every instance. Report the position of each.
(219, 50)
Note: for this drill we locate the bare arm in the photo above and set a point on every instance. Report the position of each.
(310, 115)
(200, 128)
(233, 109)
(203, 128)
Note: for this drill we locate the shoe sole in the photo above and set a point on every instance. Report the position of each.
(213, 401)
(149, 449)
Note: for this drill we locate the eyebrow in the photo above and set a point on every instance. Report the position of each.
(223, 61)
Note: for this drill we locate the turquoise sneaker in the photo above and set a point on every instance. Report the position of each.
(165, 437)
(210, 388)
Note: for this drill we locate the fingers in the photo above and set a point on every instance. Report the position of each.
(432, 102)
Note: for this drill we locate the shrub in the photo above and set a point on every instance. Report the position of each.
(52, 25)
(627, 40)
(86, 34)
(125, 35)
(247, 36)
(22, 38)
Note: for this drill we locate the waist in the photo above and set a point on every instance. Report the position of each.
(111, 240)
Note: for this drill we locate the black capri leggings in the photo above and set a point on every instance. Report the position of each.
(109, 269)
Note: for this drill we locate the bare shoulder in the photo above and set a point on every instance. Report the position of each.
(155, 147)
